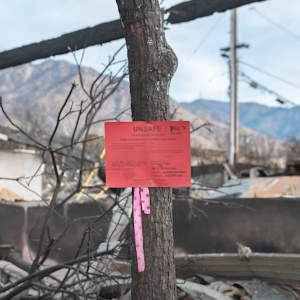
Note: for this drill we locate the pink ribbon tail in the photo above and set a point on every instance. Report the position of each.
(141, 202)
(145, 199)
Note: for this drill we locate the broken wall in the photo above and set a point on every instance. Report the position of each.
(15, 164)
(265, 225)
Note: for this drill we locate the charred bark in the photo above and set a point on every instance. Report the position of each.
(152, 64)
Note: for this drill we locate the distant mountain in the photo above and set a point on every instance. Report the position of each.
(34, 94)
(276, 122)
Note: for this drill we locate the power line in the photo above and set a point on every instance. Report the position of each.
(216, 75)
(207, 35)
(254, 84)
(276, 24)
(271, 75)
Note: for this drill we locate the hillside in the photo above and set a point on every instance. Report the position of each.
(276, 122)
(33, 95)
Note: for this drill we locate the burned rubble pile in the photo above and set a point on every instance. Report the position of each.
(105, 273)
(235, 278)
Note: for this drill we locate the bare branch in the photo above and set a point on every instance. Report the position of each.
(27, 281)
(73, 86)
(16, 126)
(80, 142)
(206, 125)
(102, 89)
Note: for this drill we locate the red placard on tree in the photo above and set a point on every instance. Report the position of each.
(148, 154)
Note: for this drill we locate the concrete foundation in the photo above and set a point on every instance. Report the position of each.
(265, 225)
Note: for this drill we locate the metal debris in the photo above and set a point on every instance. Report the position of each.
(197, 290)
(263, 187)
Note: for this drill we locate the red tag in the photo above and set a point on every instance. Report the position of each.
(148, 154)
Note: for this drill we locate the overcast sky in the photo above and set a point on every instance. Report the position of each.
(202, 72)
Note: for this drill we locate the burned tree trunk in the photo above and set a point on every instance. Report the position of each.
(152, 64)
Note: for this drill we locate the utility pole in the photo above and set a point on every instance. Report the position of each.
(233, 143)
(233, 71)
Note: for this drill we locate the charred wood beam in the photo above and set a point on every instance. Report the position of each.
(97, 35)
(271, 267)
(10, 253)
(191, 10)
(110, 31)
(15, 259)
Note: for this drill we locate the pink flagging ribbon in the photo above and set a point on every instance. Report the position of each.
(141, 202)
